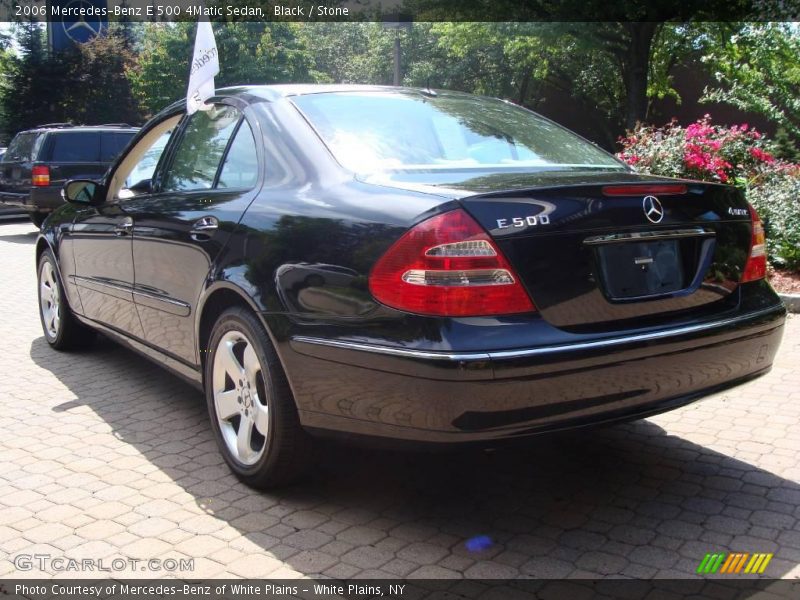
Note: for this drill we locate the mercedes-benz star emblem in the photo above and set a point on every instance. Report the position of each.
(82, 30)
(652, 209)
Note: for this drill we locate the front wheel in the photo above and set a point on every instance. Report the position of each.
(252, 411)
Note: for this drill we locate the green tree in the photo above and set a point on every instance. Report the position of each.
(30, 81)
(593, 63)
(86, 84)
(757, 69)
(162, 66)
(98, 89)
(249, 53)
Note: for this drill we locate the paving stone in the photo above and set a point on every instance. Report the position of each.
(361, 535)
(307, 539)
(491, 570)
(545, 567)
(423, 553)
(255, 566)
(366, 557)
(434, 572)
(602, 562)
(312, 561)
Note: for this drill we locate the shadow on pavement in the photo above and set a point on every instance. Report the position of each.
(19, 238)
(627, 500)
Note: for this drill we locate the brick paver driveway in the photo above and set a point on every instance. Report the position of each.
(103, 455)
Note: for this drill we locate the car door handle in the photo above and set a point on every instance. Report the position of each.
(124, 227)
(203, 228)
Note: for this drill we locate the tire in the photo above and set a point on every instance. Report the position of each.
(252, 411)
(37, 218)
(61, 329)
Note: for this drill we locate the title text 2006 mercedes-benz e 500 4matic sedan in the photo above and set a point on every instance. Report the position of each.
(393, 264)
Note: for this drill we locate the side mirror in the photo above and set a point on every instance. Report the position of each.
(83, 191)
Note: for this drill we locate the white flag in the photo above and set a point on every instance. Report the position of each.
(205, 64)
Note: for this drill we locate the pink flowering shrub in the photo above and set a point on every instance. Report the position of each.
(699, 151)
(737, 155)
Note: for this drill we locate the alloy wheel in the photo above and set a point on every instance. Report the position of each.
(50, 300)
(240, 398)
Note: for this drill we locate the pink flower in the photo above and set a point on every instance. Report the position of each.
(761, 155)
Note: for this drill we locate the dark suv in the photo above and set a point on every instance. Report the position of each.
(38, 162)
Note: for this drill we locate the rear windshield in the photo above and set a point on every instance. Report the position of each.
(23, 147)
(377, 131)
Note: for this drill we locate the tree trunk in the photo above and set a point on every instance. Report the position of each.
(636, 71)
(524, 86)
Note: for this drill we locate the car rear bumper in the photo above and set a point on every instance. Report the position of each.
(13, 200)
(43, 199)
(404, 394)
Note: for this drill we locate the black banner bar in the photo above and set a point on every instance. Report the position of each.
(729, 588)
(405, 10)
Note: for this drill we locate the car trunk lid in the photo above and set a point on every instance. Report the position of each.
(603, 250)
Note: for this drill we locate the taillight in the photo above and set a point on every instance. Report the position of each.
(40, 175)
(756, 265)
(448, 266)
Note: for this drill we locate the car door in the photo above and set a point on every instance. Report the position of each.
(101, 242)
(180, 229)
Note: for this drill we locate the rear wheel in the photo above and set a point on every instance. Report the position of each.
(61, 329)
(37, 218)
(252, 411)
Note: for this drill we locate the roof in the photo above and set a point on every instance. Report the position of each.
(71, 127)
(277, 91)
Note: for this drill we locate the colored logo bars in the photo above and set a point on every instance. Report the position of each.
(734, 563)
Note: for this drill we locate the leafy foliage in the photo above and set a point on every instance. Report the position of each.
(777, 199)
(701, 151)
(758, 70)
(737, 155)
(250, 53)
(88, 84)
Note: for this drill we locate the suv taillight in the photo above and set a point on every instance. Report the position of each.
(40, 175)
(756, 265)
(448, 266)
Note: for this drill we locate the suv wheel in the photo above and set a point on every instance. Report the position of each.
(61, 330)
(253, 414)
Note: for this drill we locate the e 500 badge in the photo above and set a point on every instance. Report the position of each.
(531, 221)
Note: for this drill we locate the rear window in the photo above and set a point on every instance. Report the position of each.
(75, 146)
(23, 147)
(112, 143)
(376, 131)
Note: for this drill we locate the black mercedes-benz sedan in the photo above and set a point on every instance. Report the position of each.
(404, 265)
